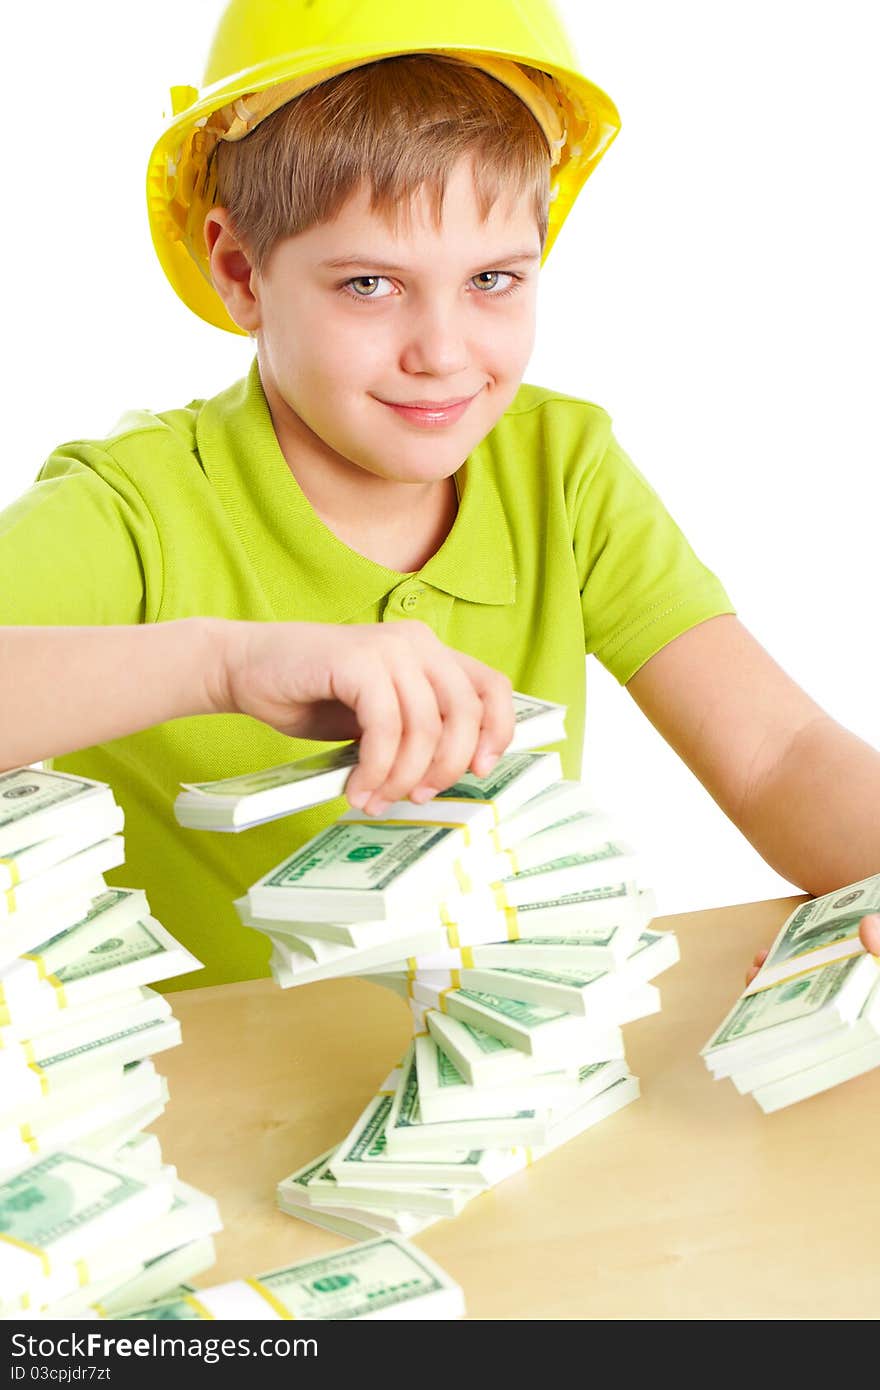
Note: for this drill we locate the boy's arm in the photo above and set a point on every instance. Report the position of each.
(802, 789)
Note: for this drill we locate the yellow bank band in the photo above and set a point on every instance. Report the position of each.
(200, 1309)
(29, 1138)
(39, 1074)
(798, 974)
(14, 874)
(441, 998)
(39, 962)
(462, 877)
(29, 1250)
(405, 820)
(270, 1298)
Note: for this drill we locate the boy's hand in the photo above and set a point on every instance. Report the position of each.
(424, 712)
(869, 931)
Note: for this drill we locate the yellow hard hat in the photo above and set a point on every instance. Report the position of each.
(266, 52)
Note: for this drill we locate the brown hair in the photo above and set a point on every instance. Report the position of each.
(396, 124)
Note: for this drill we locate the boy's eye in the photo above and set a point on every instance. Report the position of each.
(488, 292)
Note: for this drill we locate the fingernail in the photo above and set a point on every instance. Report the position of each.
(358, 800)
(421, 794)
(378, 808)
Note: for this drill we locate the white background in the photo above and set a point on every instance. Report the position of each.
(716, 288)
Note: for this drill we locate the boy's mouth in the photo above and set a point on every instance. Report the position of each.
(431, 413)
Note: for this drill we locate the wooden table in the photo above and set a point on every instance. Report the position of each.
(690, 1203)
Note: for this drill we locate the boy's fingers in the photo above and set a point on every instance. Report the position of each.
(421, 729)
(757, 962)
(499, 722)
(462, 712)
(869, 931)
(379, 716)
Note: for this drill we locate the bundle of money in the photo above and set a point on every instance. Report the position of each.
(237, 803)
(79, 1026)
(385, 1278)
(509, 914)
(79, 1228)
(810, 1019)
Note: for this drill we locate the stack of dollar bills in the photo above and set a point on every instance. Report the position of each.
(380, 1278)
(810, 1019)
(507, 912)
(238, 803)
(79, 1026)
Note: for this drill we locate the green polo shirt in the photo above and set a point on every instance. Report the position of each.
(559, 547)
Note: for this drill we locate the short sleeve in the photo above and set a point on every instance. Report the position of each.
(80, 546)
(641, 582)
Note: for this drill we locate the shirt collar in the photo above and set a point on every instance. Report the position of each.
(242, 458)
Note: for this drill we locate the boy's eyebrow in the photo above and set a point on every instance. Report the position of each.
(341, 262)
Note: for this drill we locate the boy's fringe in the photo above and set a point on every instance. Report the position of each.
(395, 125)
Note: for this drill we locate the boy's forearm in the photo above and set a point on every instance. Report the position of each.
(66, 688)
(815, 819)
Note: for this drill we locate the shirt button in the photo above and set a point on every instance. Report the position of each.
(408, 602)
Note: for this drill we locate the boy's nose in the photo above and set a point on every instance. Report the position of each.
(436, 343)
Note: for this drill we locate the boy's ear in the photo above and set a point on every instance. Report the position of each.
(231, 270)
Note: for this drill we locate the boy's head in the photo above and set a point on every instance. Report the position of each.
(266, 53)
(431, 180)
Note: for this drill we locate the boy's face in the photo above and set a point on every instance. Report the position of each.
(431, 322)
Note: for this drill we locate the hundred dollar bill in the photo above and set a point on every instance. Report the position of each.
(480, 803)
(605, 948)
(156, 1280)
(821, 1077)
(295, 1199)
(486, 1060)
(66, 1123)
(28, 859)
(550, 1034)
(165, 1277)
(791, 1011)
(106, 1142)
(20, 932)
(234, 803)
(592, 993)
(610, 917)
(37, 805)
(363, 1157)
(110, 910)
(383, 1278)
(562, 798)
(407, 1133)
(325, 1192)
(297, 967)
(444, 1094)
(59, 1209)
(824, 929)
(192, 1216)
(581, 1118)
(785, 1062)
(68, 876)
(360, 871)
(612, 866)
(139, 954)
(125, 1037)
(69, 1028)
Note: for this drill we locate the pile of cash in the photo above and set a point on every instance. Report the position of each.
(507, 912)
(88, 1211)
(378, 1279)
(810, 1018)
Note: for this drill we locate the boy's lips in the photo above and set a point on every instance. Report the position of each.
(434, 415)
(431, 405)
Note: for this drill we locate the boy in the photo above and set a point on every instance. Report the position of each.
(314, 549)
